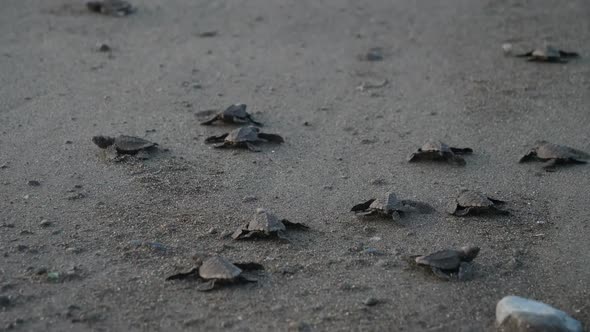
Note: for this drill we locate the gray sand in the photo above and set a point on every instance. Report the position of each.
(291, 62)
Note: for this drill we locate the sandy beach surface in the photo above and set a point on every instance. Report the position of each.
(91, 246)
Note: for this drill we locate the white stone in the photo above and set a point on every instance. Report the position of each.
(517, 314)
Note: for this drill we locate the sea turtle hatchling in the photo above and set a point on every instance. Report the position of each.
(217, 270)
(123, 144)
(553, 154)
(244, 137)
(234, 114)
(439, 151)
(450, 263)
(265, 224)
(389, 206)
(548, 53)
(473, 202)
(110, 7)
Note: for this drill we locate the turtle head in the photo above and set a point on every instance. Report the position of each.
(469, 253)
(103, 142)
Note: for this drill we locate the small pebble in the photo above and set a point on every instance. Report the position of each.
(53, 276)
(76, 196)
(382, 263)
(156, 246)
(507, 48)
(248, 199)
(370, 301)
(34, 183)
(72, 250)
(45, 223)
(102, 47)
(212, 230)
(375, 54)
(373, 251)
(378, 182)
(208, 34)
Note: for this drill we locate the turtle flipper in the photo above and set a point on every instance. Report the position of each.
(206, 286)
(271, 138)
(461, 211)
(455, 159)
(244, 279)
(252, 147)
(283, 237)
(496, 201)
(396, 216)
(452, 207)
(499, 211)
(531, 156)
(524, 55)
(440, 274)
(566, 54)
(577, 161)
(210, 121)
(363, 206)
(465, 271)
(193, 273)
(252, 121)
(225, 145)
(237, 119)
(549, 165)
(462, 150)
(294, 225)
(216, 139)
(413, 157)
(242, 233)
(249, 266)
(239, 234)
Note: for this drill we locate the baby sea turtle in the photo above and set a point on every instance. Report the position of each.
(244, 137)
(111, 7)
(473, 202)
(265, 224)
(450, 263)
(553, 154)
(439, 151)
(123, 144)
(216, 271)
(389, 206)
(548, 53)
(234, 114)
